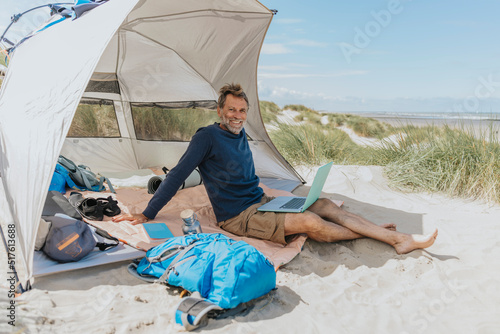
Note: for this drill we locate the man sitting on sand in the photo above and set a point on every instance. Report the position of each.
(222, 154)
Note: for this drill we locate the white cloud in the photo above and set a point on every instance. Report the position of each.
(322, 101)
(309, 75)
(299, 65)
(283, 67)
(285, 95)
(274, 49)
(349, 73)
(309, 43)
(273, 67)
(286, 75)
(285, 92)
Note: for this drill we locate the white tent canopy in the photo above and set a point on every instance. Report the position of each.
(153, 51)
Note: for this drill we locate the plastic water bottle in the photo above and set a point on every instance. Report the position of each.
(191, 223)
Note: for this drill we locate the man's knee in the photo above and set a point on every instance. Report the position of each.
(313, 223)
(314, 226)
(301, 222)
(323, 204)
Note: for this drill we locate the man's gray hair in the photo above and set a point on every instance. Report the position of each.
(233, 89)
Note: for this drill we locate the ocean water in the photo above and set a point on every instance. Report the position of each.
(476, 116)
(481, 125)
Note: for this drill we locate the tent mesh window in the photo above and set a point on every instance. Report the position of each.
(103, 87)
(175, 121)
(103, 83)
(94, 118)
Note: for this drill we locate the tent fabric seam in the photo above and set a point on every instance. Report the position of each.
(195, 11)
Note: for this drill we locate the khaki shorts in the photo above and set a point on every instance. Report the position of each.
(256, 224)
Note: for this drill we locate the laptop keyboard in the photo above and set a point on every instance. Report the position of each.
(294, 203)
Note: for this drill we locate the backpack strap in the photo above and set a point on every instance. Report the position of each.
(163, 278)
(87, 175)
(192, 312)
(66, 163)
(105, 235)
(132, 270)
(85, 179)
(177, 261)
(104, 178)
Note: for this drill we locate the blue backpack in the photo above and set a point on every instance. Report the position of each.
(224, 272)
(59, 180)
(78, 177)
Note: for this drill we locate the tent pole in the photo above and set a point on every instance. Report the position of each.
(16, 17)
(19, 286)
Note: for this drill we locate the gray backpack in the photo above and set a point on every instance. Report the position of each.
(70, 240)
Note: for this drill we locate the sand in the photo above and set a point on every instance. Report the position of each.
(359, 286)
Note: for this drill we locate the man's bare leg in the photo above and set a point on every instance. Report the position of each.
(321, 230)
(317, 228)
(360, 227)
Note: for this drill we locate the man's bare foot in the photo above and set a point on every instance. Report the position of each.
(411, 242)
(389, 226)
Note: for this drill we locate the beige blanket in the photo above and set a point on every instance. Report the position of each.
(135, 200)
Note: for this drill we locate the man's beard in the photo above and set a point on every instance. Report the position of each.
(226, 122)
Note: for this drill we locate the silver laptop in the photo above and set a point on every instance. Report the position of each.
(300, 204)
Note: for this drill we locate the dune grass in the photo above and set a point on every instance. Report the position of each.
(154, 123)
(362, 126)
(94, 120)
(310, 117)
(269, 111)
(313, 144)
(458, 162)
(269, 107)
(300, 108)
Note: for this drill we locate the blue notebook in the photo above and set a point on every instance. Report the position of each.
(157, 231)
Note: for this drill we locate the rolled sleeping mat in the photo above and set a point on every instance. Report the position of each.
(154, 183)
(192, 180)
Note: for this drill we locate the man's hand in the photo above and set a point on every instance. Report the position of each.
(136, 218)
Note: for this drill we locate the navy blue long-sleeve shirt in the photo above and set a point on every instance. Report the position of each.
(227, 170)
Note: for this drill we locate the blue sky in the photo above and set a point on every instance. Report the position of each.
(371, 55)
(431, 56)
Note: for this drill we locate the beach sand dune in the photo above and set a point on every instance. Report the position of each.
(359, 286)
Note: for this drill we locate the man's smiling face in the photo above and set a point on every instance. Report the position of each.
(234, 114)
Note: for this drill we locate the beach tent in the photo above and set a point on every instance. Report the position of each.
(125, 54)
